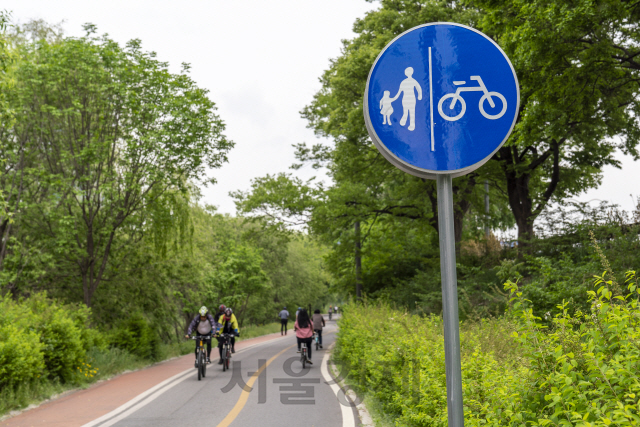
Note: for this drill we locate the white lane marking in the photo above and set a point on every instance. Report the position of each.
(348, 418)
(128, 408)
(135, 402)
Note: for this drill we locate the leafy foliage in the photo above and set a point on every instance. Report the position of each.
(576, 369)
(136, 336)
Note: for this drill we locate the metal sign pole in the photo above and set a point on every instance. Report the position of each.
(450, 301)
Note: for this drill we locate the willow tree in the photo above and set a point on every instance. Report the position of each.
(115, 133)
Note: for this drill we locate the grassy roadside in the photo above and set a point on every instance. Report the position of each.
(103, 365)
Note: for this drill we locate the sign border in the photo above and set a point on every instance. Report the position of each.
(407, 167)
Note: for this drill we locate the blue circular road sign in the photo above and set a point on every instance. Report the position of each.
(441, 98)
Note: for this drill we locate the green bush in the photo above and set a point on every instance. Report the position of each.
(63, 350)
(136, 336)
(40, 338)
(399, 358)
(517, 371)
(21, 357)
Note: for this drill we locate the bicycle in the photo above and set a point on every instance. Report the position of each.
(226, 350)
(488, 96)
(316, 338)
(201, 355)
(303, 355)
(329, 314)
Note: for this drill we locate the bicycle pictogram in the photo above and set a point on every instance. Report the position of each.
(488, 96)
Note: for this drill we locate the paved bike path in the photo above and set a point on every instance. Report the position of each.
(282, 393)
(80, 407)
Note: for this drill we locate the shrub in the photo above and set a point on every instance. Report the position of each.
(399, 358)
(63, 350)
(21, 358)
(136, 336)
(572, 369)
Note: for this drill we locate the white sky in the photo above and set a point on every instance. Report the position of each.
(261, 60)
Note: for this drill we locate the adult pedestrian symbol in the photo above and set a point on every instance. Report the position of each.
(441, 98)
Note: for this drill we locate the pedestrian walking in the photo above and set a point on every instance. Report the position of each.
(284, 319)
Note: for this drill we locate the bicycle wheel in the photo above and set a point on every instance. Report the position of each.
(224, 359)
(317, 344)
(228, 357)
(304, 359)
(485, 97)
(200, 365)
(204, 366)
(460, 114)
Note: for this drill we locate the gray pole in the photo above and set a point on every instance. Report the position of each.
(450, 301)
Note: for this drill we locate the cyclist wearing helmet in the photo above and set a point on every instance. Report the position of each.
(227, 324)
(221, 311)
(204, 324)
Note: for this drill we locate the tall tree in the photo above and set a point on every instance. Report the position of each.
(115, 131)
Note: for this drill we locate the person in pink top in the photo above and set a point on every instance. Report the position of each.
(304, 332)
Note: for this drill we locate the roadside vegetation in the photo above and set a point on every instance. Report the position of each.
(575, 368)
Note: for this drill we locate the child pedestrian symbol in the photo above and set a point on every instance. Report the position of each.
(386, 109)
(407, 87)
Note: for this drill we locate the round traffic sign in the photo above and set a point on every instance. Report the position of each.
(441, 98)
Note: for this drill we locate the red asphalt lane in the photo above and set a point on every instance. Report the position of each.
(82, 406)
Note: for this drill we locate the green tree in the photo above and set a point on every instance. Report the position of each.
(578, 67)
(114, 131)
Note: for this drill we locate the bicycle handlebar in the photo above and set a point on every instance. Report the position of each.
(204, 337)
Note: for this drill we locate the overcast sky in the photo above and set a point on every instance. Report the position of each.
(261, 61)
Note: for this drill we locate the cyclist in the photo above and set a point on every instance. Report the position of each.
(298, 311)
(227, 324)
(284, 319)
(204, 324)
(221, 311)
(304, 332)
(318, 323)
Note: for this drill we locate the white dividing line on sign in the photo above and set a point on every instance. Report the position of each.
(433, 148)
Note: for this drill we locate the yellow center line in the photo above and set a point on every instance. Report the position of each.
(244, 396)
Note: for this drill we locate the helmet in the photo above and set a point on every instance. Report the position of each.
(299, 308)
(228, 311)
(222, 308)
(203, 311)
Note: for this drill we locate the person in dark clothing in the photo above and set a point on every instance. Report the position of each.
(318, 324)
(203, 324)
(227, 324)
(284, 320)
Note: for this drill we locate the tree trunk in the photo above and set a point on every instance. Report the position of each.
(518, 171)
(243, 309)
(461, 206)
(358, 262)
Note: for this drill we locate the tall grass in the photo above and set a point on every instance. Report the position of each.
(253, 331)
